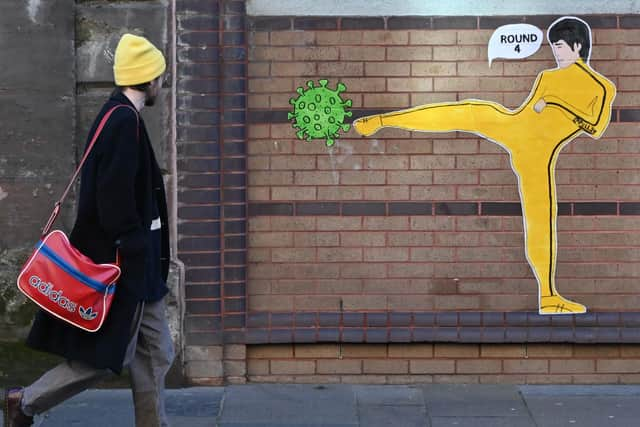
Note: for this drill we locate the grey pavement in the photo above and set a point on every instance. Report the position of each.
(432, 405)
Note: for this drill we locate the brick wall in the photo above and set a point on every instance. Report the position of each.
(410, 221)
(211, 103)
(444, 363)
(412, 238)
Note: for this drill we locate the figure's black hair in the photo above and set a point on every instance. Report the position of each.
(572, 31)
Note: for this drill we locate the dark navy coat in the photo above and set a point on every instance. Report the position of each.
(120, 181)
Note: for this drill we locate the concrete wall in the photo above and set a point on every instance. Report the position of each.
(37, 119)
(58, 73)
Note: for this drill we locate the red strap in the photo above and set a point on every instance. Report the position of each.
(56, 209)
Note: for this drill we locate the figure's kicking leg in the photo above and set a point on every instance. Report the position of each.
(540, 211)
(481, 117)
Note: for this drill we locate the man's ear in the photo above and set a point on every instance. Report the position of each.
(576, 47)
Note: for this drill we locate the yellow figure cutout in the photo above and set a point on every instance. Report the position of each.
(564, 103)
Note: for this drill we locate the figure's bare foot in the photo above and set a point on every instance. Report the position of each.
(556, 304)
(366, 126)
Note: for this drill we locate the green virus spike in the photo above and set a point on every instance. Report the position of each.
(319, 112)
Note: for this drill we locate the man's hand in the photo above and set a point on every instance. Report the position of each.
(540, 105)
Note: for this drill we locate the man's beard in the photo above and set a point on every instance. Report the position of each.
(150, 97)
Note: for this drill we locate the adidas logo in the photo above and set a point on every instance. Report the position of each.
(87, 313)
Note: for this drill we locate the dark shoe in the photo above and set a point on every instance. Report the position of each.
(13, 415)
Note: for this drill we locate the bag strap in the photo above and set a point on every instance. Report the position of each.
(103, 122)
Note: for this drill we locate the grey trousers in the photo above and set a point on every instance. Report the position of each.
(149, 356)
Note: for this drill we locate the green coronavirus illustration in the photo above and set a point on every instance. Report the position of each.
(319, 112)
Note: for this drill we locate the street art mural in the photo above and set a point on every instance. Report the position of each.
(319, 112)
(565, 102)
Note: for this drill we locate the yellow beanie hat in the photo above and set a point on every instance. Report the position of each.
(137, 61)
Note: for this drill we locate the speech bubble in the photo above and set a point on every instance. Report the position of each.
(514, 41)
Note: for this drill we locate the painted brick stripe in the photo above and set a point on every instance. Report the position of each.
(460, 327)
(283, 23)
(435, 208)
(622, 115)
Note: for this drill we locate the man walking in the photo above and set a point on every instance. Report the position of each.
(122, 213)
(564, 103)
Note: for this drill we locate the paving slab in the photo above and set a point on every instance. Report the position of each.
(396, 416)
(191, 407)
(483, 422)
(585, 411)
(344, 405)
(584, 406)
(474, 401)
(388, 395)
(289, 404)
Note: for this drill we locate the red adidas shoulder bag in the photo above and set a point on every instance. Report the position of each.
(63, 281)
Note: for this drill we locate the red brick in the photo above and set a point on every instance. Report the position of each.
(257, 367)
(361, 53)
(502, 351)
(408, 84)
(386, 69)
(432, 366)
(317, 303)
(386, 254)
(292, 38)
(293, 287)
(410, 351)
(385, 366)
(340, 255)
(269, 351)
(526, 366)
(478, 366)
(362, 270)
(292, 367)
(275, 239)
(364, 350)
(293, 255)
(456, 350)
(316, 53)
(564, 366)
(410, 238)
(346, 366)
(385, 37)
(410, 302)
(386, 192)
(620, 366)
(316, 351)
(389, 223)
(364, 302)
(271, 303)
(340, 69)
(414, 53)
(311, 239)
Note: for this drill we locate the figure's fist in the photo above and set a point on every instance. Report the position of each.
(366, 126)
(539, 106)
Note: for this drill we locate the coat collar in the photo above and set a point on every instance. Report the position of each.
(120, 98)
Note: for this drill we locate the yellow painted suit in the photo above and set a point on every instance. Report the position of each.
(578, 99)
